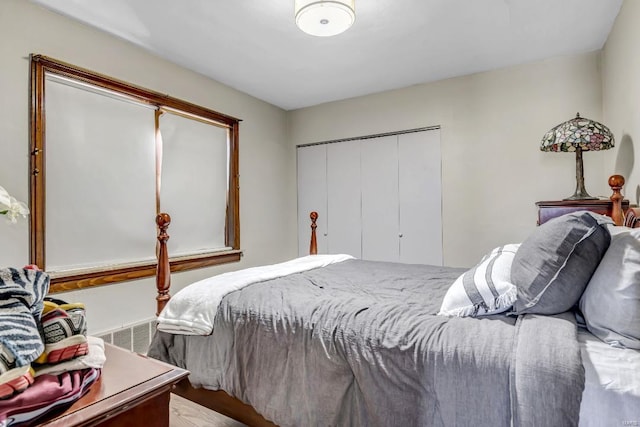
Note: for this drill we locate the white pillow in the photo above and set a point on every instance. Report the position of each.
(611, 302)
(485, 289)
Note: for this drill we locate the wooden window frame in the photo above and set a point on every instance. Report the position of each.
(76, 279)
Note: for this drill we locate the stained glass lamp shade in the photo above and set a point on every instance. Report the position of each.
(577, 135)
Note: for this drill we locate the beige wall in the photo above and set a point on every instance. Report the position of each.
(621, 101)
(492, 124)
(267, 163)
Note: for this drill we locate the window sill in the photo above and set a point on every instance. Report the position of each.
(70, 280)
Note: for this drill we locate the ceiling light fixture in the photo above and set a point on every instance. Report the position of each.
(325, 18)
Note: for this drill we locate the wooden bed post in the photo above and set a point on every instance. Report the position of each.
(163, 269)
(616, 182)
(313, 247)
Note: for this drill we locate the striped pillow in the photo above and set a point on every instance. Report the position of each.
(485, 289)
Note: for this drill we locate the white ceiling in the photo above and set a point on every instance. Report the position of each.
(255, 46)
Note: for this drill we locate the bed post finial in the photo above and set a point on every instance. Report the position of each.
(616, 182)
(313, 247)
(163, 269)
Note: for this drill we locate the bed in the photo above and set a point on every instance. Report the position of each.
(330, 340)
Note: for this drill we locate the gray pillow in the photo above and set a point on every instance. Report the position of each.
(611, 302)
(554, 264)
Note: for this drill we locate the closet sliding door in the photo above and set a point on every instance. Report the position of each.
(344, 210)
(380, 219)
(329, 183)
(377, 198)
(420, 198)
(312, 196)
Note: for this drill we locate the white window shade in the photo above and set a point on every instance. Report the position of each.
(100, 187)
(194, 183)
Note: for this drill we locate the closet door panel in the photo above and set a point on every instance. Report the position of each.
(380, 221)
(343, 198)
(420, 197)
(312, 196)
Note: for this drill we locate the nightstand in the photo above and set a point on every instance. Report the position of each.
(133, 390)
(551, 209)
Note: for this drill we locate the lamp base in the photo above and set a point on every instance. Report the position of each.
(580, 193)
(581, 197)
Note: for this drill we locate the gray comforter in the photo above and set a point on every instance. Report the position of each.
(358, 344)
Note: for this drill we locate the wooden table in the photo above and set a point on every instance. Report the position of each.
(133, 390)
(554, 208)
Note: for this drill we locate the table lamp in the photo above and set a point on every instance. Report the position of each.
(577, 135)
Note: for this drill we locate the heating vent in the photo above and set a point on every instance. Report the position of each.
(136, 337)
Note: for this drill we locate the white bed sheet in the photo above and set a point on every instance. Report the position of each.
(192, 310)
(611, 395)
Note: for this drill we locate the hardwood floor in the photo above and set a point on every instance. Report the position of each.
(184, 413)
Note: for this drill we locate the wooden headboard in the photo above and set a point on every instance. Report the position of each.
(630, 218)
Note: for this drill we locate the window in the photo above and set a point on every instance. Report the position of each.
(106, 157)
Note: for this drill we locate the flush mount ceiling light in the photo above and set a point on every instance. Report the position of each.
(325, 18)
